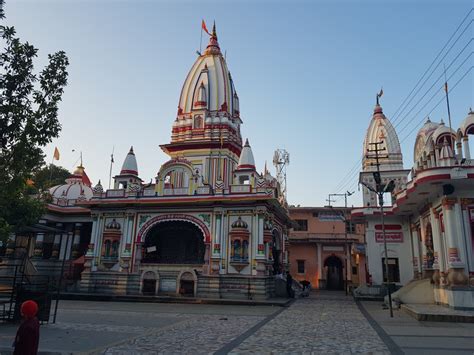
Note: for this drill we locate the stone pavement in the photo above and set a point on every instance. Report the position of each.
(324, 323)
(414, 337)
(321, 324)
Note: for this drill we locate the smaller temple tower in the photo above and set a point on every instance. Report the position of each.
(128, 177)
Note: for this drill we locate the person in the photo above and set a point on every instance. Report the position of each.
(27, 335)
(289, 285)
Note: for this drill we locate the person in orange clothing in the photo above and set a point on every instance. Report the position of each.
(27, 335)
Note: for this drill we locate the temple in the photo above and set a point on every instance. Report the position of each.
(428, 217)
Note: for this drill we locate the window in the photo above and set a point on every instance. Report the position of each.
(302, 225)
(350, 227)
(300, 266)
(354, 270)
(393, 270)
(315, 214)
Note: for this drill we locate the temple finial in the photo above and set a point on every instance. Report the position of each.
(379, 95)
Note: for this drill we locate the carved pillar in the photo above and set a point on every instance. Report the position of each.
(437, 252)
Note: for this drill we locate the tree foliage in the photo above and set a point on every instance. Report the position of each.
(48, 176)
(28, 121)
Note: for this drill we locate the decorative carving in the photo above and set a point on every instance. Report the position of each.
(206, 218)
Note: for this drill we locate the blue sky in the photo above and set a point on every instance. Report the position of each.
(306, 72)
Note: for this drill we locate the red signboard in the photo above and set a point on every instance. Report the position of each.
(392, 237)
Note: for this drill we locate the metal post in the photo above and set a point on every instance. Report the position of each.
(386, 253)
(60, 279)
(346, 248)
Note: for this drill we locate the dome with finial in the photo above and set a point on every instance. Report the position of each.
(467, 126)
(76, 188)
(98, 189)
(422, 139)
(209, 81)
(443, 132)
(239, 223)
(246, 160)
(381, 130)
(129, 166)
(113, 225)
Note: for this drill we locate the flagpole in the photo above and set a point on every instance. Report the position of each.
(51, 171)
(111, 163)
(449, 111)
(200, 43)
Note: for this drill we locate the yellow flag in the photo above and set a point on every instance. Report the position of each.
(56, 153)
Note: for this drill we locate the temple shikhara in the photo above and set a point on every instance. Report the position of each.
(210, 225)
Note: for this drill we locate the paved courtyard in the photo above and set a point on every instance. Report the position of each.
(322, 324)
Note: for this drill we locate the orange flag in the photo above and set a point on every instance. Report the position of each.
(203, 26)
(56, 153)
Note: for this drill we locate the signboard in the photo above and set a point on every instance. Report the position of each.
(392, 237)
(458, 173)
(151, 249)
(330, 217)
(332, 248)
(167, 285)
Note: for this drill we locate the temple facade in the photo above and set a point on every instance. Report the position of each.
(429, 217)
(209, 225)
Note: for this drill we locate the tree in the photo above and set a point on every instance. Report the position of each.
(48, 176)
(28, 121)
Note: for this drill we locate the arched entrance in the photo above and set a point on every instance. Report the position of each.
(334, 279)
(174, 242)
(149, 283)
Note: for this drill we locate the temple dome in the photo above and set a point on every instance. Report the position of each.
(239, 223)
(423, 139)
(381, 129)
(209, 84)
(246, 160)
(441, 132)
(129, 166)
(467, 126)
(76, 188)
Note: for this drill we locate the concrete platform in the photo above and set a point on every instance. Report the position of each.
(437, 313)
(281, 302)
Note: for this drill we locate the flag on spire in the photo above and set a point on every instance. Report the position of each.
(56, 153)
(204, 28)
(380, 93)
(446, 86)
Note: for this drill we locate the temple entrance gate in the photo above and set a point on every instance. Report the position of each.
(334, 278)
(174, 242)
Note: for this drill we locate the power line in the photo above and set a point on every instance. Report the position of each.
(353, 171)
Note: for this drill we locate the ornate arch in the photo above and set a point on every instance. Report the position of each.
(174, 217)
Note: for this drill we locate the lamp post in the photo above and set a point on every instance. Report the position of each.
(346, 249)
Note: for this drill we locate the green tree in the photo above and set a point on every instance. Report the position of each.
(28, 121)
(48, 176)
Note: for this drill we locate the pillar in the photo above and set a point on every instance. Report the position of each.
(465, 143)
(416, 252)
(57, 242)
(320, 264)
(437, 252)
(456, 264)
(76, 240)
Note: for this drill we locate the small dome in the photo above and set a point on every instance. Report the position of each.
(98, 189)
(246, 160)
(113, 225)
(129, 166)
(467, 126)
(76, 188)
(423, 137)
(239, 223)
(441, 132)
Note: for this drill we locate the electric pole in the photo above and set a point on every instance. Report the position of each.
(380, 190)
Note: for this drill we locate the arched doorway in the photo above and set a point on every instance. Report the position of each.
(149, 283)
(334, 278)
(174, 242)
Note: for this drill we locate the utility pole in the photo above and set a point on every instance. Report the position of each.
(380, 190)
(346, 249)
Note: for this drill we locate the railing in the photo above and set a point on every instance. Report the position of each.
(176, 191)
(115, 193)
